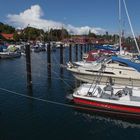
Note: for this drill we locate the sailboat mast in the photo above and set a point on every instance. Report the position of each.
(126, 10)
(120, 32)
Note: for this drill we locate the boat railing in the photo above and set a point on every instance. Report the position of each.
(96, 80)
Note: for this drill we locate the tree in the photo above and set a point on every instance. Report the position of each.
(31, 33)
(6, 28)
(90, 34)
(16, 36)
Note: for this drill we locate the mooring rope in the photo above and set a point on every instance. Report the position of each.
(35, 98)
(60, 104)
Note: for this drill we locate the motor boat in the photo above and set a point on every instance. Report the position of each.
(6, 55)
(123, 71)
(123, 101)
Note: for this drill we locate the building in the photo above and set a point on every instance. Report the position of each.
(7, 36)
(86, 40)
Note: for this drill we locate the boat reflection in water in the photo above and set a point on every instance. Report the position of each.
(118, 122)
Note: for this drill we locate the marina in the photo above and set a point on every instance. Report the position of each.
(44, 107)
(75, 76)
(44, 111)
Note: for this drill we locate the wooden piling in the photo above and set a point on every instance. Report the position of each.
(49, 54)
(28, 66)
(61, 54)
(81, 52)
(70, 53)
(49, 60)
(85, 48)
(76, 52)
(90, 47)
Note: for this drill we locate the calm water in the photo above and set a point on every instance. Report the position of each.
(22, 118)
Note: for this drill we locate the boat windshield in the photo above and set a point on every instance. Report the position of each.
(103, 59)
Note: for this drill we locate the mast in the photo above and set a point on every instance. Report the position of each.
(126, 10)
(120, 32)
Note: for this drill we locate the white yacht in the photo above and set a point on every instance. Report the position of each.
(123, 71)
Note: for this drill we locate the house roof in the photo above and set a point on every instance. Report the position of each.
(7, 36)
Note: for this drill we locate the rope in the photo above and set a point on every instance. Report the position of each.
(57, 74)
(35, 98)
(62, 104)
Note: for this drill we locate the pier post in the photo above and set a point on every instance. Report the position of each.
(70, 53)
(28, 66)
(90, 46)
(49, 59)
(76, 52)
(49, 54)
(81, 47)
(61, 60)
(85, 48)
(61, 54)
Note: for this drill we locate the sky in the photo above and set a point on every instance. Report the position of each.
(77, 16)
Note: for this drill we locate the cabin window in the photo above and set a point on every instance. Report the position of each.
(105, 72)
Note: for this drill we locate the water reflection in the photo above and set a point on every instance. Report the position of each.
(30, 91)
(49, 72)
(121, 123)
(61, 72)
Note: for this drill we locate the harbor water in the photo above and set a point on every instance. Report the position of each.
(43, 112)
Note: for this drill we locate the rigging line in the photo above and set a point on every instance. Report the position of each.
(39, 75)
(36, 98)
(63, 80)
(51, 65)
(60, 77)
(33, 73)
(126, 10)
(44, 62)
(56, 60)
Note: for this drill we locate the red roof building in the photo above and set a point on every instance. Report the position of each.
(8, 36)
(86, 39)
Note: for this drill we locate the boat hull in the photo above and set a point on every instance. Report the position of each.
(120, 111)
(9, 55)
(89, 78)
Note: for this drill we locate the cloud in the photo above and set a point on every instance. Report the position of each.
(33, 18)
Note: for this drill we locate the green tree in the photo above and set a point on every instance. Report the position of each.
(90, 34)
(16, 36)
(4, 28)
